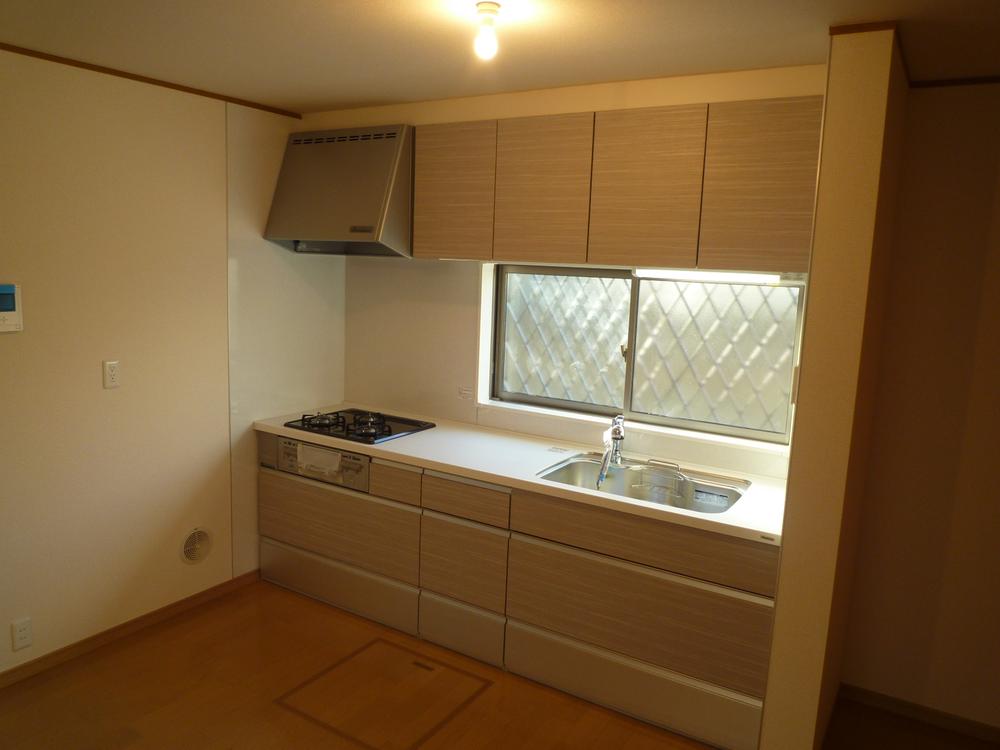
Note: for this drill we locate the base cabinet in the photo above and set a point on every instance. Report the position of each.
(562, 604)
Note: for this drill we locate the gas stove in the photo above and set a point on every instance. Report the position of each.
(358, 425)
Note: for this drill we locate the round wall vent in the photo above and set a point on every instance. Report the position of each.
(196, 546)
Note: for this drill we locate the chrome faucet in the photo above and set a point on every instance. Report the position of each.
(614, 436)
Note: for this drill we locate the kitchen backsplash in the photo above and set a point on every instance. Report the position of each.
(413, 337)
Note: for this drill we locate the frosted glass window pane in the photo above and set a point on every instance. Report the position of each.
(719, 353)
(562, 337)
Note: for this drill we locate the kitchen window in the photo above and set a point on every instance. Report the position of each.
(715, 353)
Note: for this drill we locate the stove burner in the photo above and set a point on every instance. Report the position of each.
(331, 421)
(369, 418)
(369, 424)
(357, 425)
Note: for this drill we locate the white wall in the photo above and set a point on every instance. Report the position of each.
(113, 216)
(412, 331)
(286, 314)
(926, 605)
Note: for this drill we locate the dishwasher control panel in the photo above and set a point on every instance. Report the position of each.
(324, 464)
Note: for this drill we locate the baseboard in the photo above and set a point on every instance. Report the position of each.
(920, 713)
(64, 654)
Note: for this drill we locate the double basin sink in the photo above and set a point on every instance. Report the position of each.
(650, 481)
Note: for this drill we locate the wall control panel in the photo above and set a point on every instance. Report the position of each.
(10, 308)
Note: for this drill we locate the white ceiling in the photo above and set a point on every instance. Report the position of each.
(314, 55)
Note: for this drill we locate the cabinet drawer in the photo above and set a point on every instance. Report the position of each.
(687, 626)
(468, 630)
(378, 535)
(464, 560)
(394, 481)
(719, 558)
(712, 714)
(476, 501)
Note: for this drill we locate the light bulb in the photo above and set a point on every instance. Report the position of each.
(486, 45)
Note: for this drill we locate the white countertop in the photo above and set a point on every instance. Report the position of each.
(514, 460)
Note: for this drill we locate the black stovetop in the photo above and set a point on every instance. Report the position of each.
(359, 425)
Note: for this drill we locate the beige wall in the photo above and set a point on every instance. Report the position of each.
(113, 216)
(419, 347)
(868, 375)
(286, 314)
(858, 92)
(801, 80)
(926, 603)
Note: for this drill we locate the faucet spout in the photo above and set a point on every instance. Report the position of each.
(614, 436)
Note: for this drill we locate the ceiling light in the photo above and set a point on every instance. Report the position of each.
(486, 40)
(725, 277)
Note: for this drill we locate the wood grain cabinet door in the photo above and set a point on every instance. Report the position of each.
(394, 481)
(454, 175)
(645, 199)
(761, 161)
(464, 560)
(719, 558)
(694, 628)
(543, 188)
(476, 501)
(378, 535)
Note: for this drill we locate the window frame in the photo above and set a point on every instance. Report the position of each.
(498, 353)
(500, 329)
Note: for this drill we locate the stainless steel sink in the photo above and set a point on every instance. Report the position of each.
(651, 481)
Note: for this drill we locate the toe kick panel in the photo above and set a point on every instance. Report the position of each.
(463, 628)
(706, 712)
(367, 594)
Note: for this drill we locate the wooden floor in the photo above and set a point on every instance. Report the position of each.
(243, 672)
(265, 668)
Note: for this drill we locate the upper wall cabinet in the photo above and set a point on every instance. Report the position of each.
(543, 188)
(453, 190)
(646, 193)
(760, 181)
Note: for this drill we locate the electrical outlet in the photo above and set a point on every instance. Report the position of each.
(465, 392)
(112, 369)
(20, 633)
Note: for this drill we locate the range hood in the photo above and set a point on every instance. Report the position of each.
(345, 192)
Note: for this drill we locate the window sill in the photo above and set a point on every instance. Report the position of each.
(683, 446)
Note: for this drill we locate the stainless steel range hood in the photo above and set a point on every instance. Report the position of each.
(345, 192)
